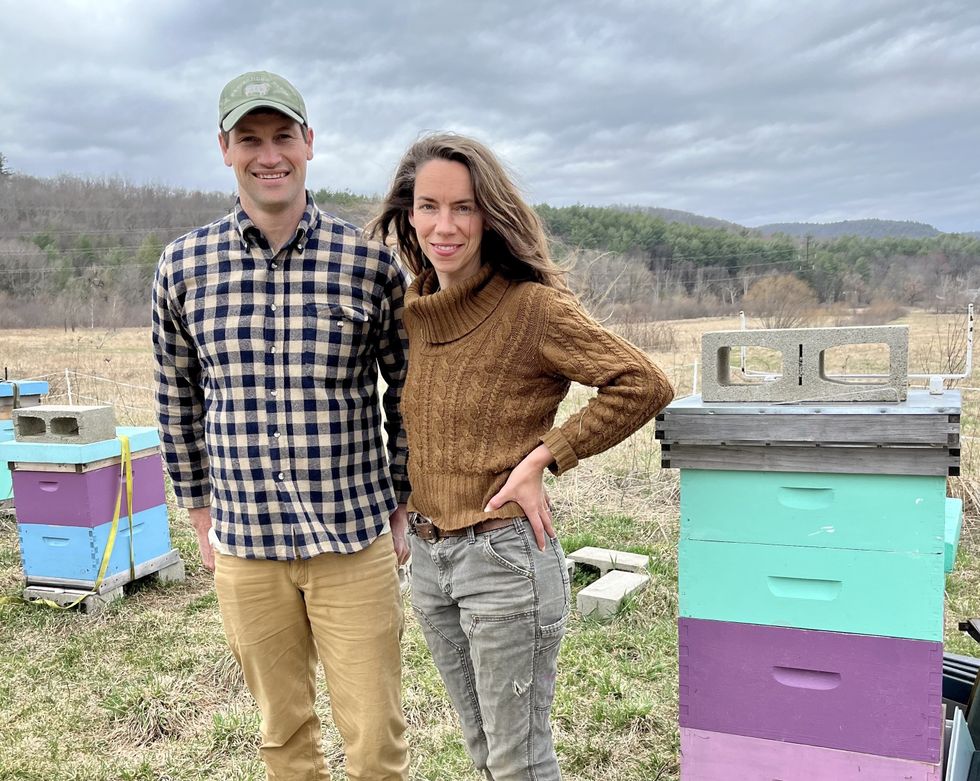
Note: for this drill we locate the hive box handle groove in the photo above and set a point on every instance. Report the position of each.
(804, 588)
(799, 678)
(800, 498)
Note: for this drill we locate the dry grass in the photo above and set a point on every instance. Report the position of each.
(148, 691)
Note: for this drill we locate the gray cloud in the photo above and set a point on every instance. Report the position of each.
(754, 111)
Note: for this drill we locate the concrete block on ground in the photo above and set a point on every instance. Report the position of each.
(64, 425)
(604, 597)
(606, 560)
(802, 371)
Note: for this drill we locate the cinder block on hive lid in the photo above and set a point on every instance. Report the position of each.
(891, 386)
(64, 425)
(719, 362)
(802, 373)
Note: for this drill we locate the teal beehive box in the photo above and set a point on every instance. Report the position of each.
(903, 513)
(866, 592)
(140, 438)
(6, 485)
(954, 522)
(14, 394)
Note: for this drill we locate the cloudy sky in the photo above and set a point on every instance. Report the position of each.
(753, 111)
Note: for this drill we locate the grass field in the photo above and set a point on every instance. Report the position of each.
(147, 691)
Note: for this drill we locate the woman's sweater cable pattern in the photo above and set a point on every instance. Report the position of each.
(489, 362)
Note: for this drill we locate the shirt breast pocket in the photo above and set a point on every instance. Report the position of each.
(336, 343)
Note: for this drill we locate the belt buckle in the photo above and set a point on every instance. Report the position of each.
(423, 529)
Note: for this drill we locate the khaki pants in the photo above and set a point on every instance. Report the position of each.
(346, 609)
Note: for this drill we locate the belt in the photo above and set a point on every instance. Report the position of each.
(426, 530)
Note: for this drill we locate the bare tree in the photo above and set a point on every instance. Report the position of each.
(780, 301)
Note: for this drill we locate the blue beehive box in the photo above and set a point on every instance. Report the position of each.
(71, 555)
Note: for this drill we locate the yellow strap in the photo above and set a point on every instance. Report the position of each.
(125, 472)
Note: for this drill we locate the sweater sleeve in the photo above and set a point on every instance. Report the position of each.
(631, 388)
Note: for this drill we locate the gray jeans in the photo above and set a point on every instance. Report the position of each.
(493, 609)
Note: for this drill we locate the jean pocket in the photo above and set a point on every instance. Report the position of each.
(551, 582)
(551, 634)
(509, 550)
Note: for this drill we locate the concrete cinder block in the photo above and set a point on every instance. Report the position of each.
(604, 597)
(64, 425)
(606, 560)
(802, 376)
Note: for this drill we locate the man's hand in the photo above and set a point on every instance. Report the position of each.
(525, 487)
(201, 521)
(398, 521)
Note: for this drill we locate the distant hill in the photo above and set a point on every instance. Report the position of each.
(685, 218)
(870, 229)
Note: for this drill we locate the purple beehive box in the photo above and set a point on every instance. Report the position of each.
(86, 498)
(873, 695)
(716, 756)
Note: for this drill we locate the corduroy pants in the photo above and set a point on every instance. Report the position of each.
(346, 609)
(493, 609)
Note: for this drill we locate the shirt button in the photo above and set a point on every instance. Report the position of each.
(273, 307)
(281, 476)
(272, 349)
(275, 265)
(275, 434)
(299, 247)
(272, 393)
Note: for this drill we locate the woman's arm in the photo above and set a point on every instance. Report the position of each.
(524, 486)
(631, 388)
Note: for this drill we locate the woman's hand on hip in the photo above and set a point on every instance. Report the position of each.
(525, 487)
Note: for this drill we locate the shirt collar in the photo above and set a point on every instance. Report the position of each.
(308, 225)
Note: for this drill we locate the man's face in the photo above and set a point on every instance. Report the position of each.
(268, 153)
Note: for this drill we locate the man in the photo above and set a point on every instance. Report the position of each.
(269, 329)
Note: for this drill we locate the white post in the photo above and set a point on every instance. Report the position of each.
(68, 385)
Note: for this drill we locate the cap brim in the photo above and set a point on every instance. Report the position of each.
(232, 117)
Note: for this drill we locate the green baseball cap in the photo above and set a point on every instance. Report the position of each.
(255, 90)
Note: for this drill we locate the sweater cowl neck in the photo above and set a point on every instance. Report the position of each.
(447, 315)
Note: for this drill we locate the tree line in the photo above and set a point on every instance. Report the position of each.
(77, 252)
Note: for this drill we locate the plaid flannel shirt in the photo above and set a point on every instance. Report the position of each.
(267, 384)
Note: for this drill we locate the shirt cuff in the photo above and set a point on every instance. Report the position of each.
(562, 451)
(190, 497)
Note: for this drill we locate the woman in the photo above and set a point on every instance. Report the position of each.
(495, 338)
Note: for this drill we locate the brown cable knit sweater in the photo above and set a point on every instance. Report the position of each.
(489, 362)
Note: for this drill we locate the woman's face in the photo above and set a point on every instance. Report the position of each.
(447, 223)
